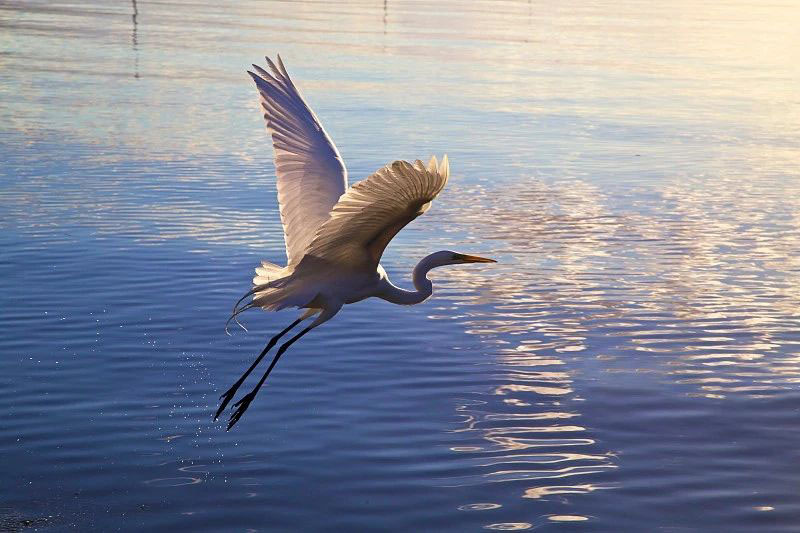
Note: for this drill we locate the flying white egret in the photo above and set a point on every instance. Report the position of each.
(335, 234)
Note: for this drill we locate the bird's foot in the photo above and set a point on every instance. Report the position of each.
(241, 406)
(226, 398)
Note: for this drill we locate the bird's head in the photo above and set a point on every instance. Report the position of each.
(447, 257)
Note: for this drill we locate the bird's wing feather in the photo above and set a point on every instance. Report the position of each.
(310, 172)
(373, 210)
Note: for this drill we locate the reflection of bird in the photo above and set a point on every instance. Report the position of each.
(335, 235)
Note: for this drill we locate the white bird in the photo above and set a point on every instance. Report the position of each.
(335, 234)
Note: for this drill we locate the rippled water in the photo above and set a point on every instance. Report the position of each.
(631, 364)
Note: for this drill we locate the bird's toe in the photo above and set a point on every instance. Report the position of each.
(244, 401)
(240, 407)
(226, 399)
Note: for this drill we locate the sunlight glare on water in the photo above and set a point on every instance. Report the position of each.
(632, 363)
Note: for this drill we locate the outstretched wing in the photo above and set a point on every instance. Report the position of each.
(373, 210)
(310, 172)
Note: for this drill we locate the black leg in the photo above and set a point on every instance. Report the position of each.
(242, 405)
(228, 396)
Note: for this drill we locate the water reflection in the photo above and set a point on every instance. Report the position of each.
(509, 526)
(700, 277)
(694, 282)
(645, 306)
(134, 39)
(529, 421)
(735, 285)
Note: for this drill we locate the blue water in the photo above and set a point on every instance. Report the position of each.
(632, 363)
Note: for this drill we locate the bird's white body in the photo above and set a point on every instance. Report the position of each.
(335, 234)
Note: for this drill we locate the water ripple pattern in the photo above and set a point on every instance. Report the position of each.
(631, 363)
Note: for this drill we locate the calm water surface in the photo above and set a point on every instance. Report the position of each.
(631, 364)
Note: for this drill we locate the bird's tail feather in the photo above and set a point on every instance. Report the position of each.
(270, 286)
(272, 295)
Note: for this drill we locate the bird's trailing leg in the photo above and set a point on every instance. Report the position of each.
(327, 312)
(242, 405)
(230, 393)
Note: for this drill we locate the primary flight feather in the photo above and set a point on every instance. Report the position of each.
(334, 235)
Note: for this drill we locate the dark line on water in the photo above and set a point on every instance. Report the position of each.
(135, 39)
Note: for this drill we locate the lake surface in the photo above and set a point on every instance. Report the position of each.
(632, 363)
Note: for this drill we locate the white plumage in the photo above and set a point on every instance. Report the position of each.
(335, 236)
(372, 211)
(310, 172)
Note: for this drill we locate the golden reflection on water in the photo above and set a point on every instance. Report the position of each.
(567, 518)
(541, 492)
(701, 275)
(533, 405)
(695, 282)
(509, 526)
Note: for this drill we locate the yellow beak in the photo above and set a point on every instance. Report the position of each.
(474, 259)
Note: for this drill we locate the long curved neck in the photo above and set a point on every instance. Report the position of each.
(396, 295)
